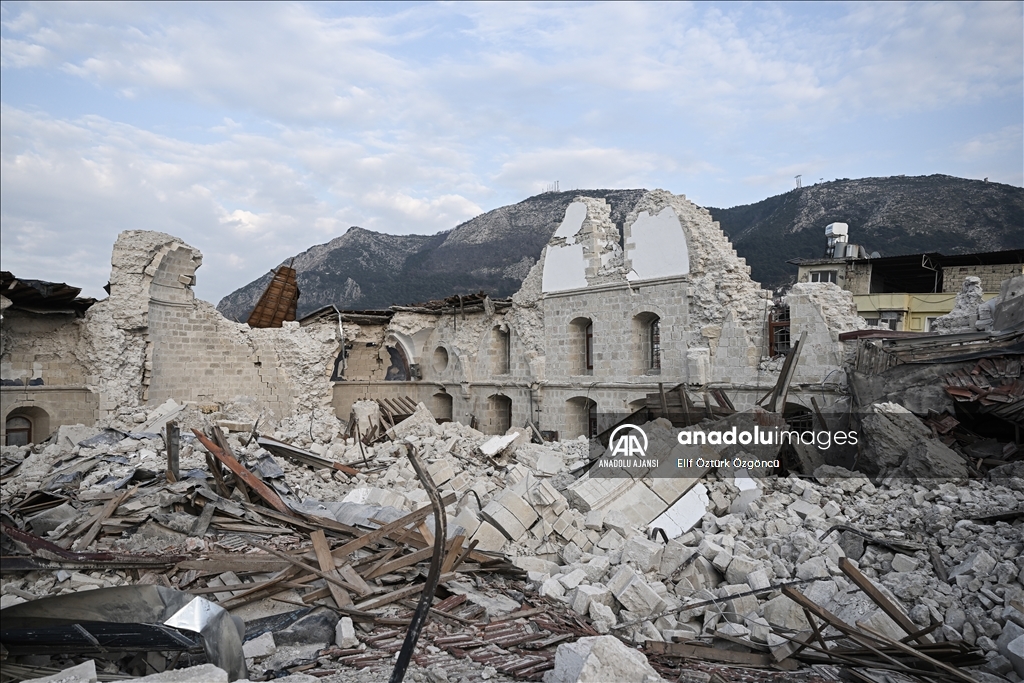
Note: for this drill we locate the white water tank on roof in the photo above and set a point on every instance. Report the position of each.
(837, 230)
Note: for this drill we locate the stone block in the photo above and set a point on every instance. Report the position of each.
(740, 568)
(904, 563)
(803, 509)
(552, 588)
(510, 514)
(738, 608)
(595, 520)
(978, 564)
(684, 514)
(674, 555)
(488, 538)
(263, 646)
(345, 634)
(596, 568)
(584, 595)
(633, 593)
(573, 578)
(599, 659)
(535, 564)
(204, 673)
(1015, 653)
(644, 554)
(814, 568)
(782, 611)
(81, 673)
(639, 504)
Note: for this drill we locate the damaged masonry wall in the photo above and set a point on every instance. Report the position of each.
(152, 340)
(662, 298)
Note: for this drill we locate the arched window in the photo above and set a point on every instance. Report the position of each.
(19, 431)
(398, 370)
(442, 407)
(581, 346)
(501, 348)
(499, 417)
(648, 329)
(581, 417)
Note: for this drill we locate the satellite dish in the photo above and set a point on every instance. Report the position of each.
(875, 254)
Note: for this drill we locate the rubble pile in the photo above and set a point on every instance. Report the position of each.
(320, 546)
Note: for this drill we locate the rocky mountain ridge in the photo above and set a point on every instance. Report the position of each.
(493, 252)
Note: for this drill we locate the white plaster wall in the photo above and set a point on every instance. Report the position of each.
(658, 247)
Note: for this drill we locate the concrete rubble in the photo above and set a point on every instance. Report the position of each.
(597, 567)
(900, 551)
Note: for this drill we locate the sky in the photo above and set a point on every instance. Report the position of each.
(255, 131)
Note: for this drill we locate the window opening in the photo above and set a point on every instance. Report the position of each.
(778, 332)
(19, 431)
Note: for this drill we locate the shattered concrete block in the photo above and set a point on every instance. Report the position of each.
(601, 616)
(204, 673)
(497, 444)
(510, 514)
(699, 575)
(595, 520)
(738, 608)
(643, 553)
(684, 514)
(571, 553)
(584, 595)
(782, 611)
(599, 659)
(552, 588)
(674, 555)
(803, 509)
(612, 540)
(722, 560)
(633, 593)
(345, 634)
(617, 521)
(740, 568)
(80, 673)
(814, 568)
(596, 568)
(904, 563)
(572, 579)
(468, 520)
(535, 564)
(979, 563)
(1015, 653)
(440, 472)
(488, 538)
(262, 646)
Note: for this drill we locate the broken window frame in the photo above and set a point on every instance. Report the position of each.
(890, 319)
(779, 334)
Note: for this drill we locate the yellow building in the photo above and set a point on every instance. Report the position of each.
(909, 292)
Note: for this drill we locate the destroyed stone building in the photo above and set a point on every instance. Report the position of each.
(301, 485)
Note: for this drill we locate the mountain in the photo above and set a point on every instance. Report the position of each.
(366, 270)
(494, 251)
(893, 216)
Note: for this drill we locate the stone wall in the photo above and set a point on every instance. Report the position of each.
(711, 315)
(48, 407)
(991, 276)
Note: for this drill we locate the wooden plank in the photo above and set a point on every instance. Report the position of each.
(262, 490)
(710, 654)
(399, 594)
(353, 577)
(894, 612)
(377, 534)
(108, 509)
(664, 400)
(323, 556)
(826, 616)
(906, 649)
(302, 565)
(401, 562)
(452, 553)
